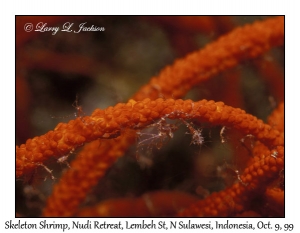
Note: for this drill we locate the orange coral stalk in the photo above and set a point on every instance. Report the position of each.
(97, 157)
(108, 123)
(234, 199)
(264, 167)
(159, 203)
(276, 119)
(177, 79)
(183, 74)
(190, 24)
(275, 201)
(242, 43)
(273, 75)
(248, 214)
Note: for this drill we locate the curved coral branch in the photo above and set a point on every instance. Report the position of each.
(276, 119)
(153, 204)
(174, 81)
(110, 122)
(137, 115)
(241, 44)
(234, 199)
(91, 163)
(264, 167)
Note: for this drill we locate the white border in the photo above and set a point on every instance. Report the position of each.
(10, 8)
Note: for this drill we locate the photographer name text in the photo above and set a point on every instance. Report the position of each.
(66, 27)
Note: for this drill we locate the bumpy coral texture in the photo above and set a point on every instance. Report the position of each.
(115, 128)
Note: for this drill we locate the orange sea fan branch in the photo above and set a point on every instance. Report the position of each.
(153, 204)
(90, 164)
(174, 81)
(119, 125)
(98, 156)
(263, 167)
(108, 123)
(243, 43)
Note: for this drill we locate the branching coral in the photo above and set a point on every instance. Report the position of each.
(112, 130)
